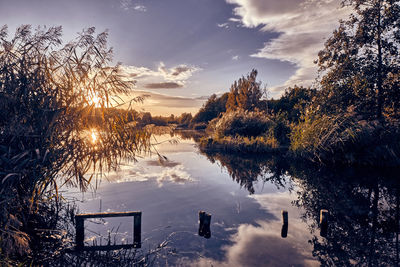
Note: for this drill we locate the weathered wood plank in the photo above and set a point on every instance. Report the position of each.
(109, 214)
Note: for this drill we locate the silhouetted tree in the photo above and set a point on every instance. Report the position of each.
(360, 63)
(211, 109)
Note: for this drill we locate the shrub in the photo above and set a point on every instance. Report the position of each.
(242, 123)
(342, 139)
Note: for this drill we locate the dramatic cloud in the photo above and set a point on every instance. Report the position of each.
(303, 25)
(165, 85)
(163, 77)
(178, 73)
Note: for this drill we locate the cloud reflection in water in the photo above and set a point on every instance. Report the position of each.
(262, 245)
(153, 169)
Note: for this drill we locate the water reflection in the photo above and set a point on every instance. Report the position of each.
(247, 170)
(363, 215)
(247, 227)
(363, 207)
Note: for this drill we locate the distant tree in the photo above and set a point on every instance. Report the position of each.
(360, 64)
(245, 93)
(145, 118)
(185, 119)
(211, 109)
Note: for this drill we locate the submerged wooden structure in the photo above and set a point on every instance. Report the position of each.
(80, 230)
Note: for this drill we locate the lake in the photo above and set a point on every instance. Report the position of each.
(246, 197)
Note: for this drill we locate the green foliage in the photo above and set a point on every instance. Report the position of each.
(211, 109)
(293, 102)
(248, 132)
(242, 123)
(342, 139)
(241, 144)
(360, 63)
(354, 117)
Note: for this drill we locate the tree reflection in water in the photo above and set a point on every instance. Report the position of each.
(364, 214)
(247, 170)
(363, 206)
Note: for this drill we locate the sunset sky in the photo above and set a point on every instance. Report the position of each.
(182, 51)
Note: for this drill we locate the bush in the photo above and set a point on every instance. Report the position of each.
(342, 139)
(242, 123)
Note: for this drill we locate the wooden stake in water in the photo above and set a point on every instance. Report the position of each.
(80, 232)
(323, 222)
(204, 224)
(137, 230)
(285, 224)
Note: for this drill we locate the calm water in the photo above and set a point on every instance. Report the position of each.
(246, 197)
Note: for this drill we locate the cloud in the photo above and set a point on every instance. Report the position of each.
(223, 25)
(178, 73)
(140, 8)
(161, 104)
(303, 25)
(176, 175)
(162, 77)
(170, 173)
(162, 100)
(163, 85)
(129, 5)
(235, 57)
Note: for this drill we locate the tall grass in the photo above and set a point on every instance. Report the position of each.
(344, 139)
(47, 107)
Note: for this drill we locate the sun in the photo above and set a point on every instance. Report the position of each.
(95, 100)
(94, 136)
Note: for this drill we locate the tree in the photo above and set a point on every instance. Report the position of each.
(360, 63)
(245, 93)
(211, 109)
(185, 119)
(293, 102)
(48, 100)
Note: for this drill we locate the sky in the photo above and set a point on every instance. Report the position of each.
(182, 51)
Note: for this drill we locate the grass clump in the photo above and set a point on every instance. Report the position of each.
(246, 132)
(345, 139)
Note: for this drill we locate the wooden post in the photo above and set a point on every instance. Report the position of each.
(285, 224)
(323, 222)
(137, 230)
(80, 232)
(201, 222)
(204, 224)
(207, 225)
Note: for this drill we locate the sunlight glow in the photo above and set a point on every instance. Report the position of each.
(94, 136)
(95, 100)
